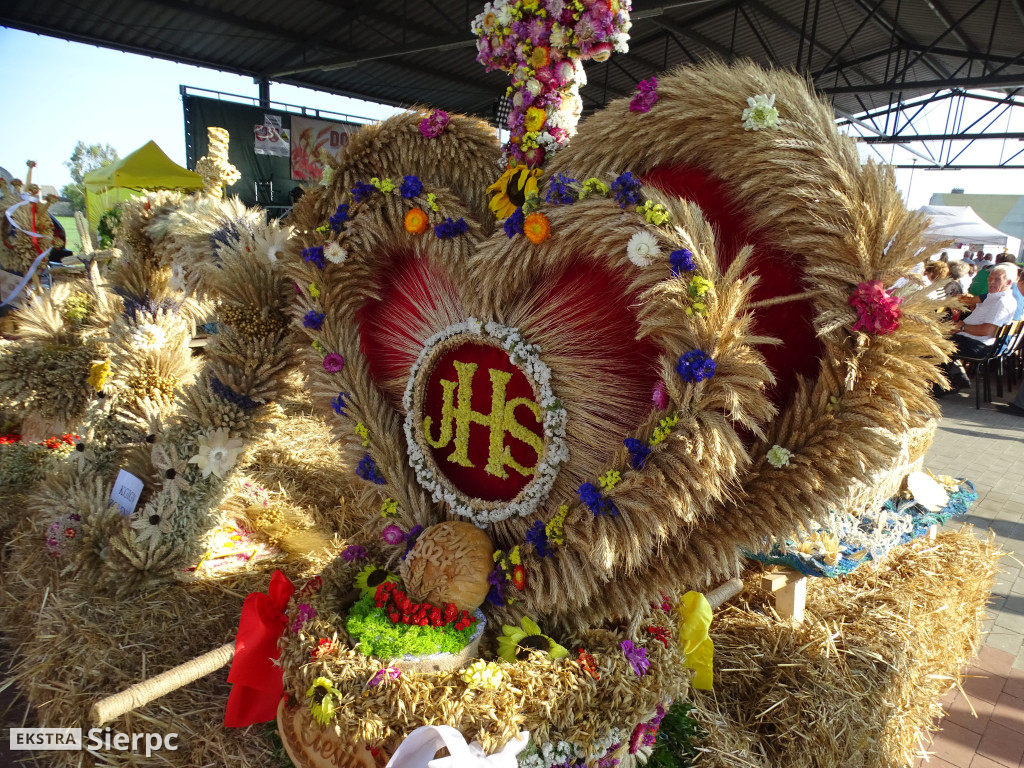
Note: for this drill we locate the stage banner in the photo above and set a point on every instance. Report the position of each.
(312, 141)
(271, 138)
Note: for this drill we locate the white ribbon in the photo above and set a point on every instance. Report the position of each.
(9, 299)
(14, 224)
(420, 746)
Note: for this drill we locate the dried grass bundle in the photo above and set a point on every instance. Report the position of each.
(859, 682)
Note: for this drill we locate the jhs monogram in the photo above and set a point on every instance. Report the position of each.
(500, 420)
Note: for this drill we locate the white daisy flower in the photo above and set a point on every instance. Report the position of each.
(643, 248)
(334, 253)
(217, 453)
(504, 15)
(760, 113)
(177, 281)
(148, 336)
(275, 243)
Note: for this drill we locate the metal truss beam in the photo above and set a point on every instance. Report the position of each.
(984, 81)
(940, 137)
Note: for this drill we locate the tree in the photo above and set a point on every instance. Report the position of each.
(84, 159)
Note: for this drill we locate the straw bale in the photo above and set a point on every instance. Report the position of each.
(858, 683)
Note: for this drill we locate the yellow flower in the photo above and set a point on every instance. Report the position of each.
(322, 697)
(655, 213)
(99, 374)
(699, 286)
(516, 643)
(535, 117)
(482, 674)
(389, 508)
(314, 290)
(432, 202)
(511, 189)
(664, 428)
(555, 529)
(594, 186)
(610, 479)
(364, 433)
(514, 557)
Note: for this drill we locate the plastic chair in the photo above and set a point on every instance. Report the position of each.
(983, 364)
(1009, 357)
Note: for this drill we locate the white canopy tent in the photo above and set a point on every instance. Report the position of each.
(962, 224)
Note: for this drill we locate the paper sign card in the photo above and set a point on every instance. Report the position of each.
(127, 489)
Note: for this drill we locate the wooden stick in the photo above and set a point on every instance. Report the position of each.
(140, 694)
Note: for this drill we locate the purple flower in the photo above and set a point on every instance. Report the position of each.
(393, 535)
(514, 223)
(496, 594)
(411, 187)
(626, 189)
(448, 229)
(638, 452)
(337, 221)
(637, 657)
(367, 470)
(681, 261)
(559, 191)
(434, 124)
(313, 320)
(645, 97)
(315, 255)
(382, 675)
(339, 405)
(333, 362)
(595, 502)
(695, 366)
(353, 552)
(538, 536)
(305, 614)
(410, 539)
(362, 191)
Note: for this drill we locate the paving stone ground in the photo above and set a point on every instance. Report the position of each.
(985, 727)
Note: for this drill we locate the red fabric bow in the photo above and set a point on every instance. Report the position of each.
(257, 684)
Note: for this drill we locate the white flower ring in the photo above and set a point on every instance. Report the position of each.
(556, 452)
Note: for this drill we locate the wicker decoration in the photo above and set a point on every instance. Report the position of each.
(214, 167)
(32, 231)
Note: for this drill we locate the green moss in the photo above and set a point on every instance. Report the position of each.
(378, 637)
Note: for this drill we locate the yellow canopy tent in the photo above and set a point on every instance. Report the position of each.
(145, 168)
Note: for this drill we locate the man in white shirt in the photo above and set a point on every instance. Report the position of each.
(976, 334)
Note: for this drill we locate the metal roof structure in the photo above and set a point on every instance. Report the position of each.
(881, 62)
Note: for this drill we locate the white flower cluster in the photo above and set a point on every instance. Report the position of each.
(526, 356)
(562, 752)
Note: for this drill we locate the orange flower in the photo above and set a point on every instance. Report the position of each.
(537, 228)
(540, 57)
(416, 221)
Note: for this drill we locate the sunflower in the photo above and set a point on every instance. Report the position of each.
(512, 189)
(323, 696)
(516, 643)
(371, 577)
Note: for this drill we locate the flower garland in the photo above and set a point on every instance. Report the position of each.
(527, 358)
(542, 44)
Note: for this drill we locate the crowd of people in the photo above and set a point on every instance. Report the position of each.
(989, 290)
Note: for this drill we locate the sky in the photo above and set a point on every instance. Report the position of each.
(71, 92)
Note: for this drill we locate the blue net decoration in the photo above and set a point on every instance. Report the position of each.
(897, 522)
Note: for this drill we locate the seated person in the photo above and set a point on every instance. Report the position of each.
(977, 333)
(959, 272)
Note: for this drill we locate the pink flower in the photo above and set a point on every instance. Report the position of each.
(381, 675)
(333, 362)
(645, 97)
(393, 535)
(434, 124)
(660, 396)
(877, 311)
